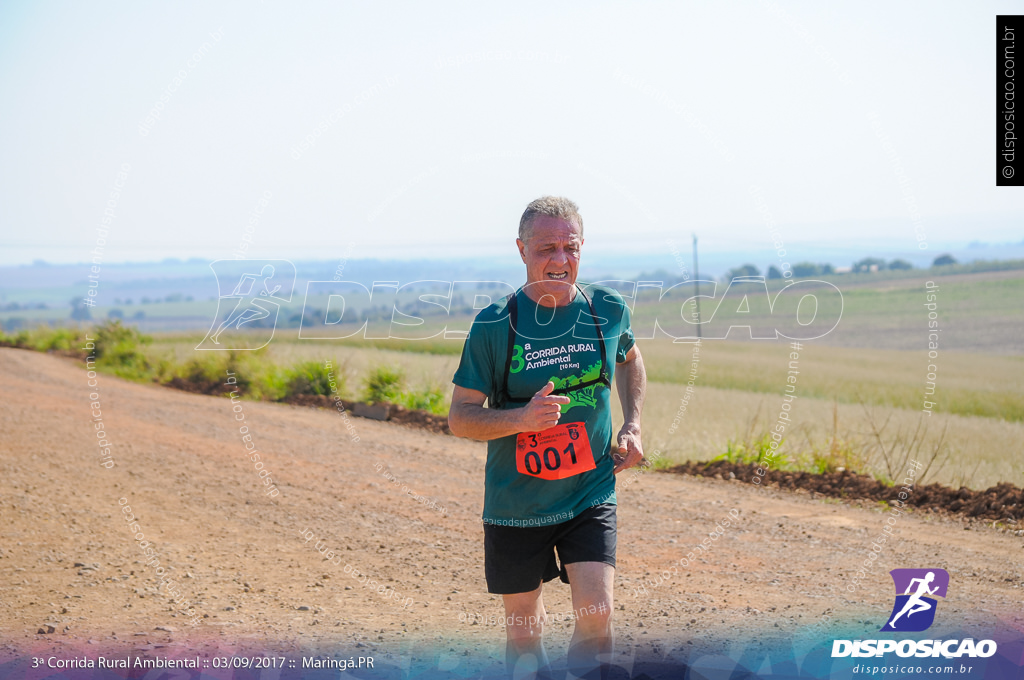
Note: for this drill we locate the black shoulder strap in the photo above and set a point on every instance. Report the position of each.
(499, 395)
(600, 339)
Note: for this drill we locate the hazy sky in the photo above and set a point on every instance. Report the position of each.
(433, 124)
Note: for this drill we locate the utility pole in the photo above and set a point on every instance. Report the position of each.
(696, 280)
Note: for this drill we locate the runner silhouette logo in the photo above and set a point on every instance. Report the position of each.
(251, 295)
(914, 609)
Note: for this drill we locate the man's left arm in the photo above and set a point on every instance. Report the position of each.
(631, 384)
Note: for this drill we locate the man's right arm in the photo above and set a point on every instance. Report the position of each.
(468, 418)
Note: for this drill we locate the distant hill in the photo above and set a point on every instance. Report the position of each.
(182, 295)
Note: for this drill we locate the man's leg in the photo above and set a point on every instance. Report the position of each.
(524, 627)
(592, 599)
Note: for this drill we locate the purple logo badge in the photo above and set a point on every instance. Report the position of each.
(914, 609)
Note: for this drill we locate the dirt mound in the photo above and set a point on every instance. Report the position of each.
(1001, 502)
(422, 419)
(211, 387)
(395, 413)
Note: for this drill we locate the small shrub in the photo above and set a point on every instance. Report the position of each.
(659, 462)
(43, 338)
(19, 339)
(205, 374)
(268, 381)
(251, 376)
(119, 348)
(384, 383)
(164, 369)
(62, 339)
(751, 450)
(113, 338)
(239, 364)
(256, 376)
(313, 377)
(835, 454)
(734, 453)
(430, 399)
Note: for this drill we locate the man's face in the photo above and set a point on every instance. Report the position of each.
(552, 257)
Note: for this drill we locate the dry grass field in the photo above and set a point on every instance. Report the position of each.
(981, 451)
(738, 394)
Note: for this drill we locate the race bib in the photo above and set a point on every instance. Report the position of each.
(556, 453)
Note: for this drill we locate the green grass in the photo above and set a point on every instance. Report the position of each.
(389, 383)
(45, 338)
(430, 399)
(124, 351)
(756, 451)
(313, 377)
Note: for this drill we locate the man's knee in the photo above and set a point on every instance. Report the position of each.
(525, 629)
(594, 621)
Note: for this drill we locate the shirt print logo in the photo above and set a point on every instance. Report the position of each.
(580, 397)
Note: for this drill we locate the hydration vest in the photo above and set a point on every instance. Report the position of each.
(501, 396)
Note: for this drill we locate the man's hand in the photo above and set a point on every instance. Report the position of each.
(629, 451)
(543, 410)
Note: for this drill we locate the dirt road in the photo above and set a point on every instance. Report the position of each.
(238, 556)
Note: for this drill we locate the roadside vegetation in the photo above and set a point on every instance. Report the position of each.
(883, 452)
(123, 351)
(859, 409)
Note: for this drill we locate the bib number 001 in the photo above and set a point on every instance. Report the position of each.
(556, 453)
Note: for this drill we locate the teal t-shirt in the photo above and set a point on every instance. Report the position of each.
(557, 344)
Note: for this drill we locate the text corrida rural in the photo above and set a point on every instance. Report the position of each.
(128, 662)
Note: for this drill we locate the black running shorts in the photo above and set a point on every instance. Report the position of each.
(519, 559)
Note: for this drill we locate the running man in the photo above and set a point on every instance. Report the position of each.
(915, 604)
(549, 489)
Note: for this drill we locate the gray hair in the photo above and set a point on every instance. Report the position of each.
(552, 206)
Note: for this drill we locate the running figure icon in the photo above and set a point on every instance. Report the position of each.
(915, 603)
(249, 307)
